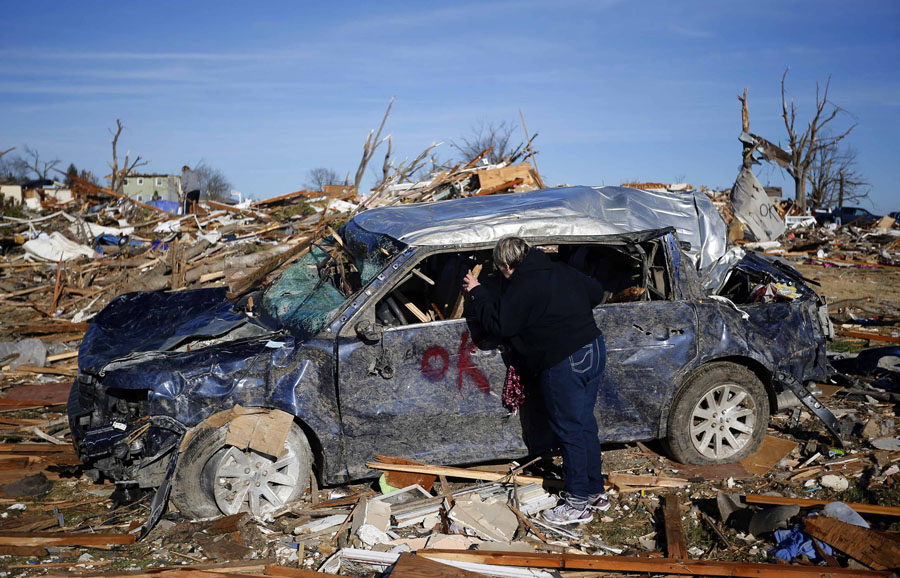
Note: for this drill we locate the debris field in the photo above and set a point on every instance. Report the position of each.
(803, 505)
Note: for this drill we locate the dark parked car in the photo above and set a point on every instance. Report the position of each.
(361, 345)
(847, 216)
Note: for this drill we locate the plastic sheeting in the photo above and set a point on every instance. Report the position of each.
(568, 211)
(54, 247)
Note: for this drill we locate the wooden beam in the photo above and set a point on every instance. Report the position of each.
(644, 565)
(867, 335)
(676, 546)
(878, 550)
(230, 209)
(288, 572)
(807, 503)
(618, 479)
(464, 473)
(294, 195)
(246, 283)
(63, 539)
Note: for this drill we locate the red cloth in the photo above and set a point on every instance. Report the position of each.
(513, 391)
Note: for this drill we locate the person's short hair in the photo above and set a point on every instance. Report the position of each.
(185, 168)
(510, 251)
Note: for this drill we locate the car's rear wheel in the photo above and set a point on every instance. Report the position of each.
(719, 416)
(213, 478)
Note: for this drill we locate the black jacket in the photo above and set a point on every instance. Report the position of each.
(544, 309)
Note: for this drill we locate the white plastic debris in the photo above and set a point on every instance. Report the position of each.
(56, 246)
(836, 483)
(370, 535)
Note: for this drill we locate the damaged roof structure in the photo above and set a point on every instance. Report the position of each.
(279, 353)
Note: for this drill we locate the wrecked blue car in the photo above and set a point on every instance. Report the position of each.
(362, 347)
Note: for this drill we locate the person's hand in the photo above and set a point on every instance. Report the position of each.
(470, 282)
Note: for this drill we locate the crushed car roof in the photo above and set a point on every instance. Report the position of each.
(564, 211)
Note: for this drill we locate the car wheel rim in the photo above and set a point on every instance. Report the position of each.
(246, 481)
(723, 421)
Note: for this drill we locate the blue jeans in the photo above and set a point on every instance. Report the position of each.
(569, 389)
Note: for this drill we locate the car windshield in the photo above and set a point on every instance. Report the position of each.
(307, 295)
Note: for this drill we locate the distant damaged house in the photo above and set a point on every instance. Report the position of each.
(152, 187)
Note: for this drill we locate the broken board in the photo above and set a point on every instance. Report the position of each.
(770, 452)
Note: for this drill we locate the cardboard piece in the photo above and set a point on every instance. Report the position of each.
(264, 432)
(770, 452)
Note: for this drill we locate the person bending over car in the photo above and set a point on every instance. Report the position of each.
(545, 310)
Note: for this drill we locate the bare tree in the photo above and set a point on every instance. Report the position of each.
(319, 177)
(806, 144)
(373, 141)
(212, 181)
(10, 170)
(494, 136)
(117, 176)
(31, 163)
(834, 177)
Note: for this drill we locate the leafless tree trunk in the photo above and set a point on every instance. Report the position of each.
(806, 144)
(834, 177)
(319, 177)
(31, 162)
(118, 176)
(369, 148)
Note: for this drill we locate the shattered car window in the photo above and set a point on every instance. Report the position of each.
(304, 297)
(308, 294)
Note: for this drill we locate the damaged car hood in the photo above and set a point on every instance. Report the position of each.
(137, 323)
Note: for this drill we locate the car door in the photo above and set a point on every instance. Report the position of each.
(647, 344)
(425, 391)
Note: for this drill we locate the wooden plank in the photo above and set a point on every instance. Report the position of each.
(878, 550)
(289, 196)
(288, 572)
(47, 370)
(867, 335)
(230, 209)
(498, 188)
(645, 565)
(244, 568)
(807, 503)
(676, 545)
(61, 539)
(464, 473)
(45, 328)
(411, 566)
(770, 452)
(36, 449)
(618, 479)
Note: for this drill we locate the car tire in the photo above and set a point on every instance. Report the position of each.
(720, 415)
(214, 479)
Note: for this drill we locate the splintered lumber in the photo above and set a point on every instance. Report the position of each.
(410, 566)
(242, 568)
(878, 550)
(45, 328)
(867, 335)
(288, 572)
(244, 284)
(807, 503)
(60, 539)
(643, 565)
(464, 473)
(289, 196)
(618, 480)
(676, 546)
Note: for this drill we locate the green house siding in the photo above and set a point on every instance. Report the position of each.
(143, 187)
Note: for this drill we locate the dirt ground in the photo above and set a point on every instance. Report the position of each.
(838, 283)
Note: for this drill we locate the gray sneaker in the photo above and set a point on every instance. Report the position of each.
(568, 513)
(598, 502)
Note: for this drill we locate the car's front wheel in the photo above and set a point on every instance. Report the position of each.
(719, 416)
(213, 478)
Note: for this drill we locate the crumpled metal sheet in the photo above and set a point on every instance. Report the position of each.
(753, 207)
(565, 211)
(155, 321)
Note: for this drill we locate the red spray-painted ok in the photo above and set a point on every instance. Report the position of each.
(436, 361)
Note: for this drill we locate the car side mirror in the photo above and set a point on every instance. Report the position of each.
(367, 331)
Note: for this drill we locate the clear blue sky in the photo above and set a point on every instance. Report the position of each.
(618, 91)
